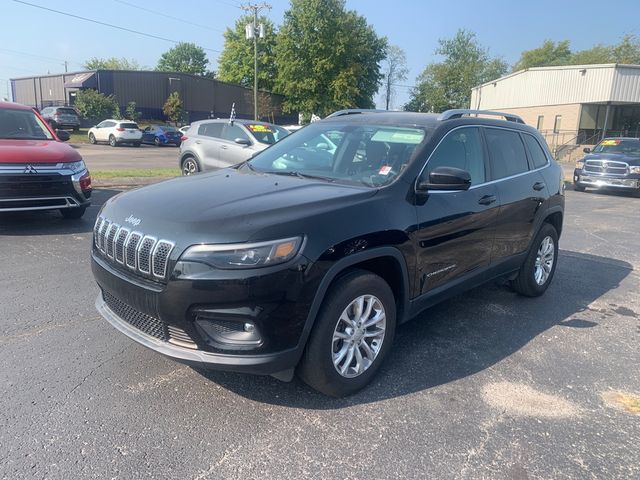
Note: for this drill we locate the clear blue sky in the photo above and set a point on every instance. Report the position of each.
(506, 27)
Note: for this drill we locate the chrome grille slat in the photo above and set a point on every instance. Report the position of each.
(119, 244)
(131, 249)
(110, 238)
(609, 167)
(143, 254)
(159, 258)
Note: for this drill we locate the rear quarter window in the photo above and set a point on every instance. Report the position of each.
(536, 152)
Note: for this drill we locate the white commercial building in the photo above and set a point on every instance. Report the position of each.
(570, 105)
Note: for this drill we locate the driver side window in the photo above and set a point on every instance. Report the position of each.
(461, 148)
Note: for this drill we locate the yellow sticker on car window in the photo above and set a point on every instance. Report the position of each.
(610, 142)
(260, 128)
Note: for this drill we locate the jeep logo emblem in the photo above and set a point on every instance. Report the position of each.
(133, 220)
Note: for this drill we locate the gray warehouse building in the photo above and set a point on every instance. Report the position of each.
(202, 97)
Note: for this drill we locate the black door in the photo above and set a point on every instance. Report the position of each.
(521, 189)
(456, 228)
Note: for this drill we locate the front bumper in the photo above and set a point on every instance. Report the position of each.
(277, 303)
(629, 182)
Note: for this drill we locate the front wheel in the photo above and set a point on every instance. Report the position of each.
(538, 269)
(578, 188)
(156, 142)
(92, 139)
(112, 141)
(353, 333)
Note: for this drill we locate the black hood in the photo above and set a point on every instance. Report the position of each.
(617, 157)
(228, 206)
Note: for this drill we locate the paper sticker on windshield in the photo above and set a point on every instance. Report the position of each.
(610, 142)
(410, 136)
(259, 128)
(384, 170)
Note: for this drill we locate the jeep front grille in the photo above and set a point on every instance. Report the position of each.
(143, 254)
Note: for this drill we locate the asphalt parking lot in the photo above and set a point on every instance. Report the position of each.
(486, 385)
(104, 157)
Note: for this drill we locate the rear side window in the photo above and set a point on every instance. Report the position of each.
(210, 130)
(506, 152)
(129, 125)
(535, 151)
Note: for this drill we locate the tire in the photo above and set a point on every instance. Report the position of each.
(136, 144)
(92, 139)
(329, 347)
(112, 141)
(578, 188)
(533, 280)
(156, 141)
(76, 129)
(190, 166)
(73, 213)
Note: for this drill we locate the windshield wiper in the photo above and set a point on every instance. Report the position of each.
(296, 173)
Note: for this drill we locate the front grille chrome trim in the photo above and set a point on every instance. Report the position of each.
(144, 253)
(119, 245)
(159, 260)
(131, 250)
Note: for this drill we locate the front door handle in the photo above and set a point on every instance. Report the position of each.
(198, 141)
(487, 200)
(223, 147)
(538, 186)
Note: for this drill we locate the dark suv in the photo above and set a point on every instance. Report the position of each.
(61, 117)
(311, 253)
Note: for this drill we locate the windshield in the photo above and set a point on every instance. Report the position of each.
(624, 147)
(22, 125)
(371, 155)
(267, 134)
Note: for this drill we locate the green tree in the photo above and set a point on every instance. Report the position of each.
(96, 106)
(235, 64)
(549, 53)
(448, 84)
(112, 63)
(327, 58)
(591, 56)
(394, 70)
(185, 58)
(173, 107)
(132, 112)
(627, 51)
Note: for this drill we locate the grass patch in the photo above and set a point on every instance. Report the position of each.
(135, 173)
(79, 137)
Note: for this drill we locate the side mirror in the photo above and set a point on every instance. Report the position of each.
(63, 135)
(242, 141)
(445, 178)
(586, 150)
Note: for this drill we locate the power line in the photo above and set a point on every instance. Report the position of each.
(168, 16)
(137, 32)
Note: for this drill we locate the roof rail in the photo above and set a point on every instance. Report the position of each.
(459, 112)
(353, 111)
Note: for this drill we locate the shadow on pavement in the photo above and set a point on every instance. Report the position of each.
(50, 222)
(457, 338)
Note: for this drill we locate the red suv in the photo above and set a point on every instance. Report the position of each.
(37, 170)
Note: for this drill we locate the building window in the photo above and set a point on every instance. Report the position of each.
(557, 124)
(540, 122)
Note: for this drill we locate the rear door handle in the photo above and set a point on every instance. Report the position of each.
(538, 186)
(223, 147)
(487, 200)
(198, 141)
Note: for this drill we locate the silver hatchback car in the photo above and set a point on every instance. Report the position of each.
(213, 144)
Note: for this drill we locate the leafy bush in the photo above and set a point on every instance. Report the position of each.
(173, 107)
(131, 112)
(96, 106)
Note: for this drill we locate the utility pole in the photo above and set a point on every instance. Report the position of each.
(65, 66)
(252, 32)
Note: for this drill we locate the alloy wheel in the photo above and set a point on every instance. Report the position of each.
(189, 167)
(544, 260)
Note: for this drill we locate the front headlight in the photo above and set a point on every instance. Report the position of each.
(237, 256)
(634, 169)
(76, 167)
(580, 164)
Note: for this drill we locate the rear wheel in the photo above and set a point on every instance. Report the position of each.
(353, 333)
(136, 144)
(73, 213)
(92, 139)
(190, 166)
(538, 269)
(112, 141)
(578, 188)
(156, 142)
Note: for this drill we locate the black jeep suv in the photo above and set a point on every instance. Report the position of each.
(309, 255)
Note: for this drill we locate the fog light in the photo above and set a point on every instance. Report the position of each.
(249, 327)
(228, 334)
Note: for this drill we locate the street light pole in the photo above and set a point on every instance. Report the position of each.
(252, 32)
